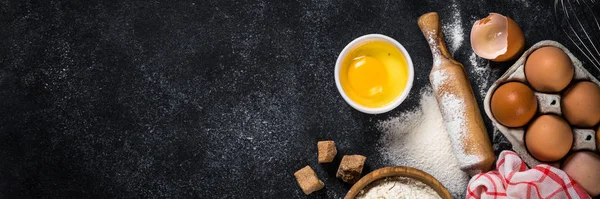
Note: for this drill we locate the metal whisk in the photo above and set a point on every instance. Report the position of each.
(577, 19)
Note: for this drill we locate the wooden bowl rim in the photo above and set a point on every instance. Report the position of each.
(399, 171)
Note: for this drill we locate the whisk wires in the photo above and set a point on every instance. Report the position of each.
(577, 19)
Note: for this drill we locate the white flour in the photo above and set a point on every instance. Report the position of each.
(456, 126)
(482, 74)
(453, 30)
(437, 78)
(398, 187)
(435, 50)
(418, 139)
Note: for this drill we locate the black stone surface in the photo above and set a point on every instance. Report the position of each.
(200, 99)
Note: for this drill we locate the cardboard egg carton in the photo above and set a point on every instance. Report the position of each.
(584, 139)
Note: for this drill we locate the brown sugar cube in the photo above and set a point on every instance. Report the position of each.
(327, 151)
(308, 180)
(350, 168)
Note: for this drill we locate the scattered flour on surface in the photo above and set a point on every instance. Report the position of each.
(454, 30)
(418, 139)
(398, 187)
(482, 74)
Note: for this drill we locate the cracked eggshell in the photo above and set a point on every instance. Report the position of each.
(497, 38)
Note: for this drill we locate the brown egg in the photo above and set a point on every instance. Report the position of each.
(584, 168)
(549, 69)
(580, 104)
(513, 104)
(549, 138)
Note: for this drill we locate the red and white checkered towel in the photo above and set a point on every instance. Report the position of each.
(513, 179)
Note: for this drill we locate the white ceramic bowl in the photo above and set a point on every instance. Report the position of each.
(369, 38)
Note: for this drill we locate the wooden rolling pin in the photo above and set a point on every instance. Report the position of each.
(455, 97)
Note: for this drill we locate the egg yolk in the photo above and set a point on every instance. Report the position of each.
(374, 74)
(367, 76)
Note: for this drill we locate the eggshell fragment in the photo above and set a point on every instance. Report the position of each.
(584, 168)
(497, 38)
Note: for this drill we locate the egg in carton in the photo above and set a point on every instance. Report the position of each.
(584, 139)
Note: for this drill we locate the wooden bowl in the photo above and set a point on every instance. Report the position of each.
(398, 171)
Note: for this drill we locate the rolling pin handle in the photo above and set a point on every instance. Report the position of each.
(432, 29)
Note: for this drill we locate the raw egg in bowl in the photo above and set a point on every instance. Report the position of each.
(374, 74)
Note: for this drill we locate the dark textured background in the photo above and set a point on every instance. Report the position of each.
(207, 99)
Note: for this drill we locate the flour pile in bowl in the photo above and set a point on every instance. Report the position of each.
(418, 139)
(398, 187)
